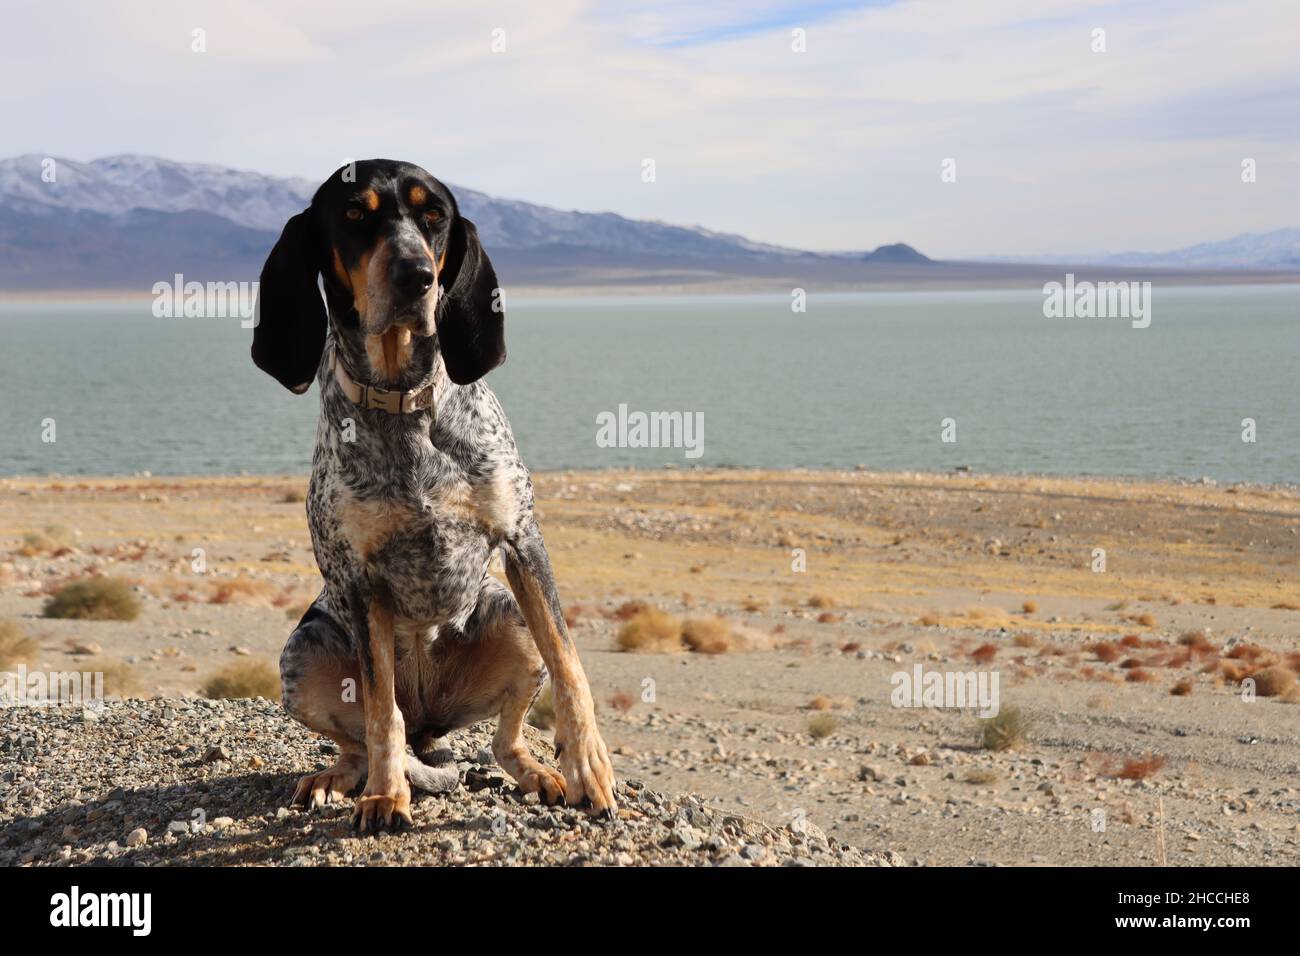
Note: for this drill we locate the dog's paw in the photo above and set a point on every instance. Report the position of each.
(543, 781)
(328, 786)
(588, 773)
(378, 812)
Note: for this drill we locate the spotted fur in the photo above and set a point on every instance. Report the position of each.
(407, 510)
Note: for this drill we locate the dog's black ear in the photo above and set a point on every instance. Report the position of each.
(471, 313)
(289, 328)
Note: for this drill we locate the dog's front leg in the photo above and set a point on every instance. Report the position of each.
(386, 800)
(584, 760)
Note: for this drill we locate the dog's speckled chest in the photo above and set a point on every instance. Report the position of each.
(418, 503)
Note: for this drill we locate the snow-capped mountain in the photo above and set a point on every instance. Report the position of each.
(1279, 249)
(116, 185)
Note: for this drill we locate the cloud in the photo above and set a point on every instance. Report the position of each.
(1058, 148)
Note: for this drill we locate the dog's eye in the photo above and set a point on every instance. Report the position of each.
(433, 215)
(355, 214)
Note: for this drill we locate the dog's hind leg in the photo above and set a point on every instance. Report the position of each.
(320, 683)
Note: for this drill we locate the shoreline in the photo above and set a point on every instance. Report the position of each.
(740, 286)
(955, 476)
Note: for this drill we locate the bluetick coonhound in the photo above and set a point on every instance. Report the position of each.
(416, 482)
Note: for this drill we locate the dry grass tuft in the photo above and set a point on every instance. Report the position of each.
(928, 620)
(1024, 639)
(621, 701)
(820, 702)
(54, 540)
(1146, 619)
(1106, 651)
(821, 601)
(1029, 607)
(651, 631)
(1136, 768)
(630, 609)
(1273, 681)
(251, 678)
(827, 617)
(120, 680)
(981, 777)
(1138, 676)
(708, 635)
(16, 645)
(1182, 689)
(242, 591)
(1007, 731)
(94, 599)
(984, 653)
(821, 726)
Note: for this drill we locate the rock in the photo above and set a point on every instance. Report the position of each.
(216, 754)
(753, 852)
(137, 837)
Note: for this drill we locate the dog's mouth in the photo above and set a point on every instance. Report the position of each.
(389, 352)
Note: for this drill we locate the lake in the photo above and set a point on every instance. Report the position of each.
(858, 379)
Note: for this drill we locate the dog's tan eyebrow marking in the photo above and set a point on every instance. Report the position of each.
(368, 198)
(417, 195)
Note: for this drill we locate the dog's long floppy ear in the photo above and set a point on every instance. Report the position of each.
(289, 330)
(471, 315)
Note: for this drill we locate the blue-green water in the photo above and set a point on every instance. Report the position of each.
(857, 379)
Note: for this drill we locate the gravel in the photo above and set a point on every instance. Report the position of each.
(199, 782)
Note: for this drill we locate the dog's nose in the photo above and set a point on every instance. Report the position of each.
(413, 277)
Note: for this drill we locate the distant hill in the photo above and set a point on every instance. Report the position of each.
(126, 222)
(1279, 249)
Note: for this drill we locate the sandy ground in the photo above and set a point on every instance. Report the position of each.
(1201, 587)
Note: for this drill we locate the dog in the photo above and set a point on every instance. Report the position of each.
(416, 482)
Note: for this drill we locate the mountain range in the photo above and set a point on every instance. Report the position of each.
(125, 222)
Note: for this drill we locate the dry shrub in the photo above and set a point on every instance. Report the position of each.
(1024, 639)
(94, 599)
(1197, 642)
(1106, 651)
(1146, 619)
(16, 645)
(1130, 663)
(1029, 607)
(621, 701)
(295, 495)
(120, 680)
(1136, 768)
(1182, 689)
(54, 540)
(928, 620)
(241, 591)
(850, 647)
(821, 601)
(1273, 681)
(984, 653)
(1130, 640)
(630, 609)
(1232, 672)
(826, 617)
(1007, 731)
(820, 702)
(753, 607)
(1138, 676)
(572, 614)
(821, 726)
(651, 631)
(979, 612)
(981, 777)
(249, 678)
(707, 635)
(1247, 652)
(542, 714)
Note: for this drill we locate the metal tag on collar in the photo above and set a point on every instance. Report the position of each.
(382, 399)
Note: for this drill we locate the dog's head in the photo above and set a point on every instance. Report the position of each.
(405, 278)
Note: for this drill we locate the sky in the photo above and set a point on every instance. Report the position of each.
(1057, 147)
